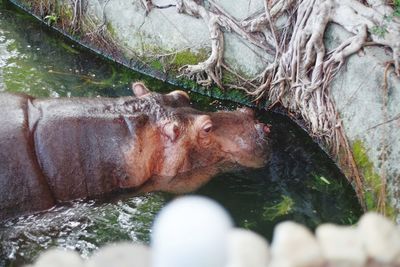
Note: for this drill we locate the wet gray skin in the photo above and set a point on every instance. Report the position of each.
(300, 183)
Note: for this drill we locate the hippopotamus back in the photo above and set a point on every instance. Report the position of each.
(55, 150)
(81, 142)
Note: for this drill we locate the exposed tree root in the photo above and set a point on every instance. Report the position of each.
(381, 205)
(302, 70)
(77, 15)
(210, 70)
(148, 5)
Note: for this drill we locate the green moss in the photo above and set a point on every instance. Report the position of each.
(67, 12)
(26, 3)
(169, 60)
(111, 30)
(157, 65)
(187, 57)
(396, 8)
(228, 78)
(51, 19)
(373, 183)
(282, 208)
(151, 50)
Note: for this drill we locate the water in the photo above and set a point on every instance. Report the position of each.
(301, 183)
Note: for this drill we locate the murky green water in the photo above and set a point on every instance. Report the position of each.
(300, 183)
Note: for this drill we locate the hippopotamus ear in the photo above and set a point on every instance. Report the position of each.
(139, 89)
(171, 130)
(179, 93)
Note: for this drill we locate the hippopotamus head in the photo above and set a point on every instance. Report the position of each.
(186, 140)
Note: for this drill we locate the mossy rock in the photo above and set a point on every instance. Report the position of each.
(373, 184)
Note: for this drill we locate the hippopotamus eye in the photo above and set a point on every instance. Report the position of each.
(207, 128)
(203, 125)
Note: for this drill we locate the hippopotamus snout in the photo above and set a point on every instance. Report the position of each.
(262, 128)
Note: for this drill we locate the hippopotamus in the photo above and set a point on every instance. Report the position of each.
(60, 149)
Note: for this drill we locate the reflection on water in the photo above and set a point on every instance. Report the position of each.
(6, 54)
(300, 183)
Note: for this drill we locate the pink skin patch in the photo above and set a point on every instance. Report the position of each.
(267, 129)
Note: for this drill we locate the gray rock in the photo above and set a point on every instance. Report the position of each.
(121, 255)
(341, 245)
(244, 57)
(161, 30)
(294, 245)
(380, 238)
(165, 31)
(247, 249)
(241, 9)
(358, 93)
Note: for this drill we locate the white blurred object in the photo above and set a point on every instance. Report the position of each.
(293, 245)
(121, 255)
(59, 258)
(380, 237)
(191, 231)
(247, 249)
(341, 246)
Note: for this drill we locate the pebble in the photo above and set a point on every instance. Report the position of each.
(380, 237)
(341, 246)
(294, 245)
(247, 249)
(59, 258)
(121, 255)
(195, 231)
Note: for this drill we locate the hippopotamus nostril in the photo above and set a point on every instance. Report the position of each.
(266, 129)
(263, 129)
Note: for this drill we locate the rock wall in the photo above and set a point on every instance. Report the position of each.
(151, 36)
(165, 40)
(370, 112)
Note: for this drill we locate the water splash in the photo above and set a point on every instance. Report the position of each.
(82, 226)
